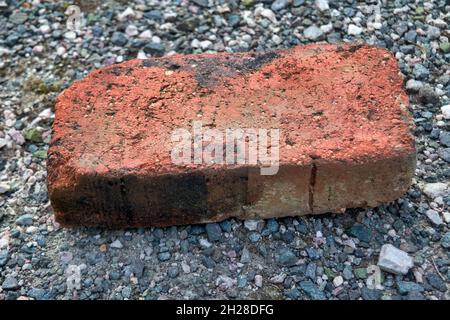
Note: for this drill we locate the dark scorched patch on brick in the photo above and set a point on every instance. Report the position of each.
(210, 71)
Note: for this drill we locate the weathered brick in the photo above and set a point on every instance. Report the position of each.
(345, 136)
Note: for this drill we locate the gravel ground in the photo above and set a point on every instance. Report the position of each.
(331, 256)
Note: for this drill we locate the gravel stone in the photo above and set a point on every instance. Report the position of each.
(322, 5)
(434, 217)
(444, 138)
(313, 33)
(312, 291)
(10, 283)
(394, 260)
(338, 281)
(370, 294)
(119, 39)
(278, 5)
(116, 244)
(420, 72)
(164, 256)
(413, 85)
(405, 287)
(436, 282)
(434, 190)
(354, 30)
(446, 111)
(213, 231)
(286, 258)
(245, 256)
(173, 272)
(361, 232)
(300, 256)
(4, 256)
(428, 95)
(155, 49)
(445, 154)
(445, 240)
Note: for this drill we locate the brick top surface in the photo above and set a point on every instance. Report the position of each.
(330, 102)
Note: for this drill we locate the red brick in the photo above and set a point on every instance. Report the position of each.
(345, 137)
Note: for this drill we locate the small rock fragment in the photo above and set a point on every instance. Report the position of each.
(436, 189)
(394, 260)
(338, 281)
(434, 217)
(116, 244)
(10, 283)
(25, 220)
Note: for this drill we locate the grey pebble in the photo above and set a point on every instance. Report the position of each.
(286, 257)
(25, 220)
(10, 283)
(213, 231)
(119, 39)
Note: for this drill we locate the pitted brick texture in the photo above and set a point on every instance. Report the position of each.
(345, 136)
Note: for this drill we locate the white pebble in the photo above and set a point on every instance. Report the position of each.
(195, 43)
(392, 233)
(394, 260)
(206, 44)
(276, 39)
(116, 245)
(156, 39)
(446, 111)
(251, 225)
(38, 49)
(326, 27)
(46, 113)
(414, 85)
(377, 25)
(60, 51)
(258, 280)
(4, 187)
(354, 30)
(267, 13)
(434, 190)
(141, 55)
(70, 35)
(434, 217)
(186, 268)
(147, 34)
(446, 216)
(338, 281)
(204, 243)
(31, 229)
(438, 23)
(131, 30)
(127, 13)
(279, 278)
(322, 5)
(45, 29)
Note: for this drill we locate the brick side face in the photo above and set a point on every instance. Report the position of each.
(345, 136)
